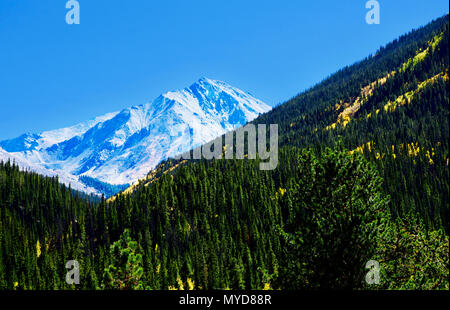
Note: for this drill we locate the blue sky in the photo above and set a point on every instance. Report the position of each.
(125, 53)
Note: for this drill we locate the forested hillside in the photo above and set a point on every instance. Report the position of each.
(393, 107)
(312, 223)
(362, 175)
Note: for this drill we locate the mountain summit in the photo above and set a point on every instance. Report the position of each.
(121, 147)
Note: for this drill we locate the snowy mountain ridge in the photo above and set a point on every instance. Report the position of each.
(122, 147)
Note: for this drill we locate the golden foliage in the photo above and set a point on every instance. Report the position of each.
(38, 249)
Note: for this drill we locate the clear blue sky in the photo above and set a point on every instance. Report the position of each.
(126, 53)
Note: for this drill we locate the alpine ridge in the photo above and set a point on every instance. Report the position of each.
(121, 147)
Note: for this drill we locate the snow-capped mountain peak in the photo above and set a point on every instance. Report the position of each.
(121, 147)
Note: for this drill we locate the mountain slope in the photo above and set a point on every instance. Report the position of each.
(394, 108)
(63, 176)
(122, 147)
